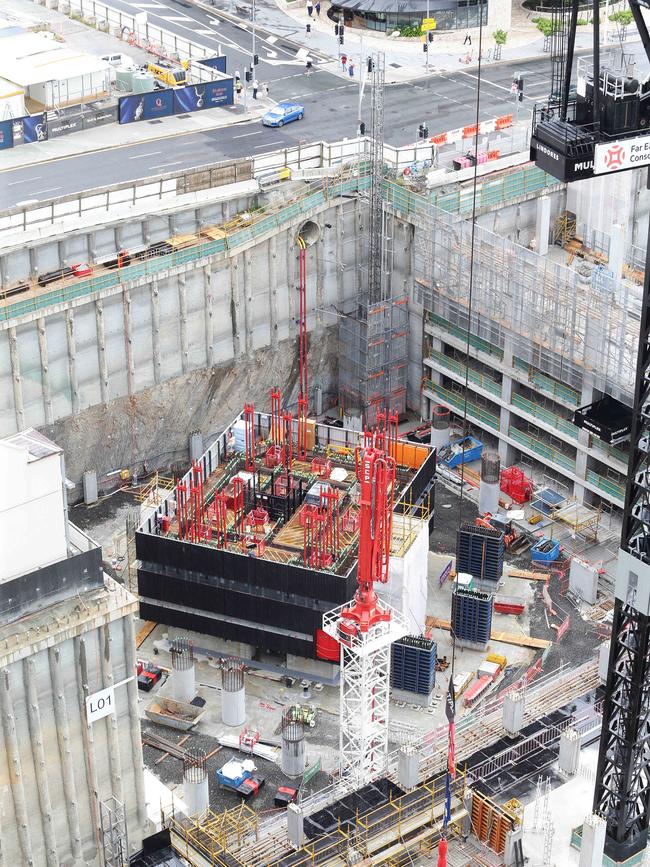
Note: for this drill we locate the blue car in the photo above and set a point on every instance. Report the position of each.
(283, 112)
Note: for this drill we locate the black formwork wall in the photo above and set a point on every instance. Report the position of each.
(271, 605)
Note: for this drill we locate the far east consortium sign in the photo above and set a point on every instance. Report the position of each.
(631, 153)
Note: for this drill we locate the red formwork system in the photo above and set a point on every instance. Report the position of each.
(182, 510)
(249, 430)
(276, 416)
(287, 439)
(516, 484)
(220, 519)
(238, 503)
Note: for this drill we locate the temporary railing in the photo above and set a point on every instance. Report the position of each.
(541, 449)
(479, 379)
(606, 485)
(545, 415)
(461, 334)
(457, 401)
(545, 383)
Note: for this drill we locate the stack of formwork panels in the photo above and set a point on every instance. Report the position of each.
(413, 664)
(471, 617)
(479, 552)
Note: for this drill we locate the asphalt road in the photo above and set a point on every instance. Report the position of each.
(445, 101)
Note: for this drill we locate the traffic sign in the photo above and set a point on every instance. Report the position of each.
(429, 24)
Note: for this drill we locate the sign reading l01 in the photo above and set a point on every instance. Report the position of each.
(623, 154)
(100, 704)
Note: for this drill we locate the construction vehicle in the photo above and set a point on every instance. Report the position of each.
(241, 777)
(169, 74)
(513, 541)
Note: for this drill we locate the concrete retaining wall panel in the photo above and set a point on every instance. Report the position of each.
(170, 327)
(75, 249)
(195, 301)
(222, 343)
(29, 358)
(17, 265)
(185, 222)
(87, 350)
(116, 349)
(104, 245)
(46, 258)
(141, 338)
(7, 408)
(131, 236)
(58, 366)
(157, 229)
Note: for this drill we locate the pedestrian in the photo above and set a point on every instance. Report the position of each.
(238, 86)
(351, 69)
(468, 39)
(317, 7)
(237, 75)
(256, 87)
(308, 28)
(266, 89)
(308, 67)
(310, 7)
(344, 61)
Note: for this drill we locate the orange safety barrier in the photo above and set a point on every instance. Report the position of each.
(504, 121)
(493, 155)
(439, 139)
(469, 131)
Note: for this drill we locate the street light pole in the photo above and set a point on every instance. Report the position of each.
(426, 36)
(253, 37)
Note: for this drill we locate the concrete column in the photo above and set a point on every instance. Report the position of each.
(101, 350)
(339, 260)
(115, 761)
(209, 313)
(91, 244)
(248, 302)
(72, 361)
(408, 767)
(315, 264)
(38, 756)
(16, 773)
(134, 717)
(128, 341)
(542, 224)
(155, 332)
(273, 290)
(117, 231)
(146, 233)
(358, 246)
(295, 825)
(235, 307)
(617, 238)
(66, 755)
(4, 280)
(33, 263)
(513, 712)
(569, 756)
(45, 371)
(182, 307)
(63, 256)
(19, 407)
(592, 847)
(81, 671)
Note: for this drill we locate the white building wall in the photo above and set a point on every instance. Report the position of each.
(32, 517)
(406, 589)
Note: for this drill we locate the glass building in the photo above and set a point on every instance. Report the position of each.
(389, 15)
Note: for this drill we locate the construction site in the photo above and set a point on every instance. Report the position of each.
(338, 461)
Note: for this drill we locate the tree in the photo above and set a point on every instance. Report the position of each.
(500, 36)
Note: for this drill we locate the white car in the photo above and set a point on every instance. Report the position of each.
(119, 60)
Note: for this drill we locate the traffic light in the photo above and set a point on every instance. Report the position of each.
(520, 88)
(249, 75)
(370, 64)
(423, 131)
(256, 59)
(336, 30)
(430, 35)
(425, 47)
(362, 128)
(340, 40)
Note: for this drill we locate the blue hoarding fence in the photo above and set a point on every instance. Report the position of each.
(215, 62)
(178, 100)
(6, 134)
(35, 128)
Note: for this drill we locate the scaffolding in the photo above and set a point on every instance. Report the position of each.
(546, 314)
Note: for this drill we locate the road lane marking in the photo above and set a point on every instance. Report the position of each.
(24, 181)
(205, 32)
(246, 134)
(268, 144)
(48, 190)
(165, 165)
(142, 156)
(177, 18)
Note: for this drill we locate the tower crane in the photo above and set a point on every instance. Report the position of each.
(603, 128)
(366, 627)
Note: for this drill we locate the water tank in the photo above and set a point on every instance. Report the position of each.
(124, 79)
(143, 82)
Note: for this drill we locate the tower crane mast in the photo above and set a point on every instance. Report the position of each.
(602, 128)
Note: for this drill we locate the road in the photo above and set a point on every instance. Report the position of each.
(444, 100)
